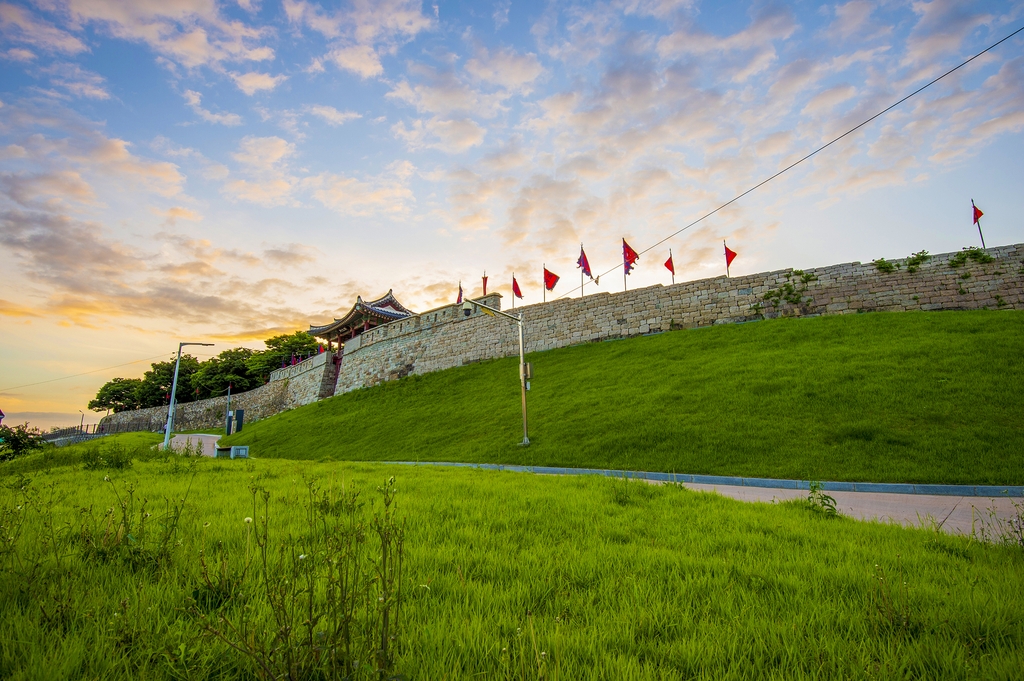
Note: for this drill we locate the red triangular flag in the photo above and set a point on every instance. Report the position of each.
(977, 212)
(730, 255)
(550, 279)
(516, 291)
(670, 265)
(629, 256)
(584, 263)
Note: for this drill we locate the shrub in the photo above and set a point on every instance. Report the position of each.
(19, 440)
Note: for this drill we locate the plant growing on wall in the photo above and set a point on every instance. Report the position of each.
(884, 266)
(790, 292)
(915, 261)
(972, 253)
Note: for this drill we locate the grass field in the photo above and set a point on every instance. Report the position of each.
(909, 397)
(503, 576)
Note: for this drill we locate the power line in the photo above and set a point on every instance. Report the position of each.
(819, 149)
(84, 373)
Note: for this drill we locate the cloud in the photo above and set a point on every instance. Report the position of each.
(57, 187)
(264, 162)
(382, 195)
(453, 136)
(253, 82)
(9, 309)
(194, 100)
(20, 25)
(332, 115)
(290, 255)
(175, 213)
(361, 60)
(363, 31)
(500, 14)
(77, 81)
(189, 32)
(505, 67)
(826, 100)
(444, 93)
(19, 54)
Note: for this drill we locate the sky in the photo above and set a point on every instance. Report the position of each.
(195, 170)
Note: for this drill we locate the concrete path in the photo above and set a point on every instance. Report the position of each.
(953, 514)
(207, 444)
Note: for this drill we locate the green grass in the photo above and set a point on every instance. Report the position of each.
(908, 397)
(608, 579)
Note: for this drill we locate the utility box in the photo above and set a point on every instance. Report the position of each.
(238, 452)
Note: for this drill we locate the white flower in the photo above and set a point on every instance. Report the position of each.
(302, 557)
(248, 520)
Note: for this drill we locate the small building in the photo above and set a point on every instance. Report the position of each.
(361, 318)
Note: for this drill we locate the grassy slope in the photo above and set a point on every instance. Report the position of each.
(663, 584)
(910, 397)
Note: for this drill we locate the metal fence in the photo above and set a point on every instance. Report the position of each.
(61, 436)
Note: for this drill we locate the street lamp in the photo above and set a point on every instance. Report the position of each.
(82, 424)
(174, 388)
(467, 309)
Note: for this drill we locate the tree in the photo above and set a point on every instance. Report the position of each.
(156, 383)
(19, 440)
(280, 349)
(214, 375)
(119, 394)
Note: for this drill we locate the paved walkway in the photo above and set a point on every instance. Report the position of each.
(953, 514)
(207, 444)
(957, 509)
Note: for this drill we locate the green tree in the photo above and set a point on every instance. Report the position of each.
(216, 373)
(19, 440)
(280, 349)
(156, 383)
(119, 394)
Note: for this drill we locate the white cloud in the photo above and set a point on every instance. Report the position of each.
(453, 136)
(505, 67)
(77, 81)
(20, 25)
(267, 178)
(361, 60)
(194, 100)
(332, 115)
(253, 82)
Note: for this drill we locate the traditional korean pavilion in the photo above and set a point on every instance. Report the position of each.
(362, 317)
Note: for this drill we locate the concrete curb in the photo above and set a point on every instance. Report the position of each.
(771, 483)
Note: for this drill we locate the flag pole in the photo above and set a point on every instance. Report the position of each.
(673, 267)
(977, 221)
(513, 292)
(726, 259)
(544, 286)
(581, 271)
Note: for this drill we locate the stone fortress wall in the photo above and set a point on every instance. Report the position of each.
(290, 387)
(444, 338)
(392, 352)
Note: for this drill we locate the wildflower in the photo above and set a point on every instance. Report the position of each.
(302, 557)
(106, 478)
(248, 520)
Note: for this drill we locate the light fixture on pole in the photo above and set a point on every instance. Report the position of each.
(82, 424)
(525, 371)
(174, 389)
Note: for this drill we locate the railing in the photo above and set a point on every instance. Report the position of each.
(61, 436)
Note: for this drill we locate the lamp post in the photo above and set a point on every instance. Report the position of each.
(174, 389)
(467, 308)
(82, 424)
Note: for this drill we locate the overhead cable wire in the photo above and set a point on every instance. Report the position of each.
(816, 151)
(84, 373)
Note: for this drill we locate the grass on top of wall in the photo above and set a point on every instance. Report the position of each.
(888, 397)
(156, 573)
